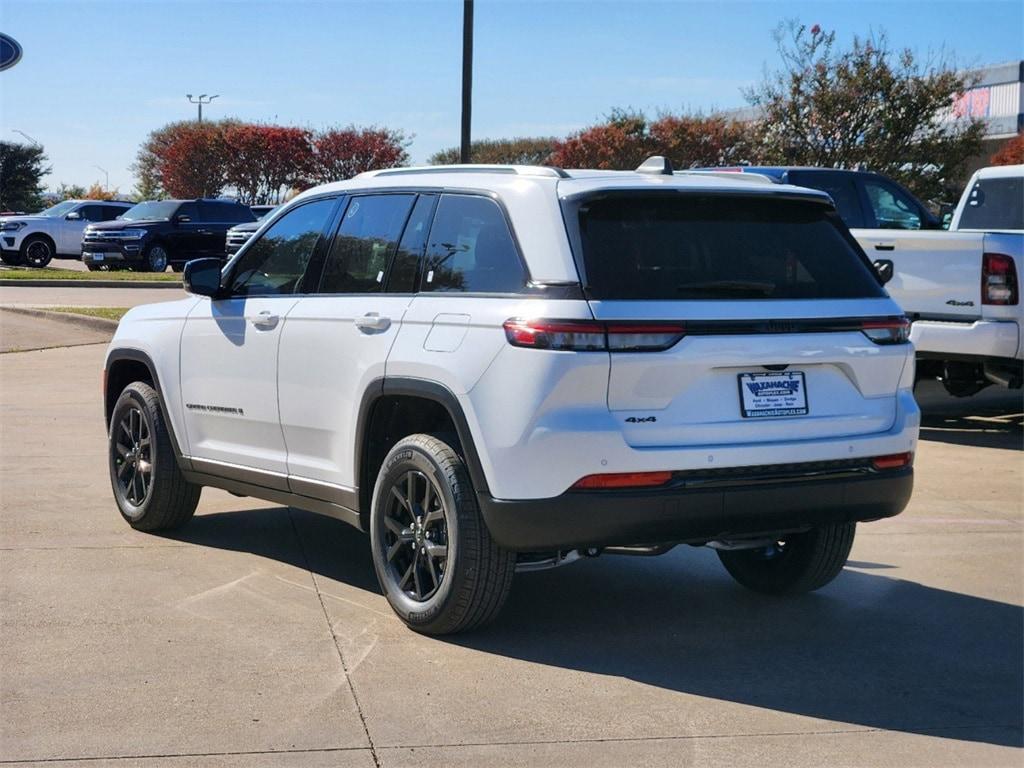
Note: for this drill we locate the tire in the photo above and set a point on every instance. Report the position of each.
(154, 259)
(440, 592)
(11, 259)
(157, 499)
(37, 251)
(801, 562)
(178, 266)
(93, 267)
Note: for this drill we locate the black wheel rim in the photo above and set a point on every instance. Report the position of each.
(415, 536)
(37, 252)
(133, 460)
(158, 259)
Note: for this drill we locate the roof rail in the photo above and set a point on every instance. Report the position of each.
(521, 170)
(752, 178)
(656, 164)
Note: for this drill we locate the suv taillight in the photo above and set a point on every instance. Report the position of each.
(998, 279)
(592, 335)
(887, 330)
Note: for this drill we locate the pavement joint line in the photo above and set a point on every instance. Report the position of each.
(57, 346)
(525, 743)
(98, 547)
(170, 755)
(334, 638)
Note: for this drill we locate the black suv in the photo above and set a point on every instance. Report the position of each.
(864, 200)
(156, 233)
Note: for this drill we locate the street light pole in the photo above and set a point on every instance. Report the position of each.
(467, 79)
(106, 184)
(203, 99)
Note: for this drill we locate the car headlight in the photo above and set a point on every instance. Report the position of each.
(132, 234)
(12, 226)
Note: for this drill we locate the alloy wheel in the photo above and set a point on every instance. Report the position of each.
(157, 259)
(415, 540)
(38, 253)
(133, 460)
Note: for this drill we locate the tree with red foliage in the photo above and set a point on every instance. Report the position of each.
(341, 153)
(187, 158)
(1011, 153)
(263, 162)
(693, 141)
(620, 143)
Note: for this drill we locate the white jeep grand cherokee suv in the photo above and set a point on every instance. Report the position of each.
(492, 368)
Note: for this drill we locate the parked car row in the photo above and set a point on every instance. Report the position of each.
(148, 236)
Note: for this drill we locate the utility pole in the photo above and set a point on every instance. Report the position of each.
(467, 78)
(203, 99)
(106, 184)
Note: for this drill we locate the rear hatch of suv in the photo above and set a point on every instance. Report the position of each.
(735, 318)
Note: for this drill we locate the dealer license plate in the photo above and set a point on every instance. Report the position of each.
(765, 395)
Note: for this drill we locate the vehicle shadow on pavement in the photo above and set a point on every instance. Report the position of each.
(994, 418)
(870, 650)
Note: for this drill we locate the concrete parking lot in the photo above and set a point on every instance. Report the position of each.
(257, 635)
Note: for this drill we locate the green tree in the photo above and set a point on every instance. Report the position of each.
(865, 106)
(22, 168)
(69, 192)
(517, 151)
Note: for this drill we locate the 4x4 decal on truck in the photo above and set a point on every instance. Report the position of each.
(955, 303)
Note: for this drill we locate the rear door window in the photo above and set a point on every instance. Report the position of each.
(404, 273)
(840, 187)
(92, 212)
(470, 249)
(367, 239)
(694, 247)
(995, 204)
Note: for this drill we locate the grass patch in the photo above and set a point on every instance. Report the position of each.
(107, 313)
(24, 273)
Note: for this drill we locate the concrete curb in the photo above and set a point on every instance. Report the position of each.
(89, 283)
(83, 321)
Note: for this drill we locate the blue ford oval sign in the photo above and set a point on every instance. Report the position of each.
(10, 52)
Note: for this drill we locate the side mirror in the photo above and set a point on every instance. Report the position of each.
(946, 214)
(885, 270)
(202, 277)
(182, 219)
(74, 216)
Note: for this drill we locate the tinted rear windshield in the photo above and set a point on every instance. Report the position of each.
(683, 246)
(995, 204)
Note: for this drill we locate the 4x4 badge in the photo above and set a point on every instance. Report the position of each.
(641, 419)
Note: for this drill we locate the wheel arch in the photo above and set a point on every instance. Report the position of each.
(371, 424)
(39, 235)
(124, 366)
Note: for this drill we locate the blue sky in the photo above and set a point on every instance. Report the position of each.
(96, 77)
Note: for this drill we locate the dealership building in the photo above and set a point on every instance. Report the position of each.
(998, 99)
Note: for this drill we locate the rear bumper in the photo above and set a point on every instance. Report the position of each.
(979, 339)
(700, 511)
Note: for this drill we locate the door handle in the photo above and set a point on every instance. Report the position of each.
(265, 320)
(885, 246)
(371, 322)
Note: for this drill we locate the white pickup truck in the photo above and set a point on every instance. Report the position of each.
(961, 288)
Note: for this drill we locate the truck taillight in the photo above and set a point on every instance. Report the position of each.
(998, 279)
(887, 330)
(592, 335)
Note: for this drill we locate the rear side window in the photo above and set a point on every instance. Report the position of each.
(366, 241)
(995, 204)
(841, 189)
(470, 249)
(694, 247)
(111, 212)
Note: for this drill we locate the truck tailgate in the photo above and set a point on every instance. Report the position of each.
(936, 274)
